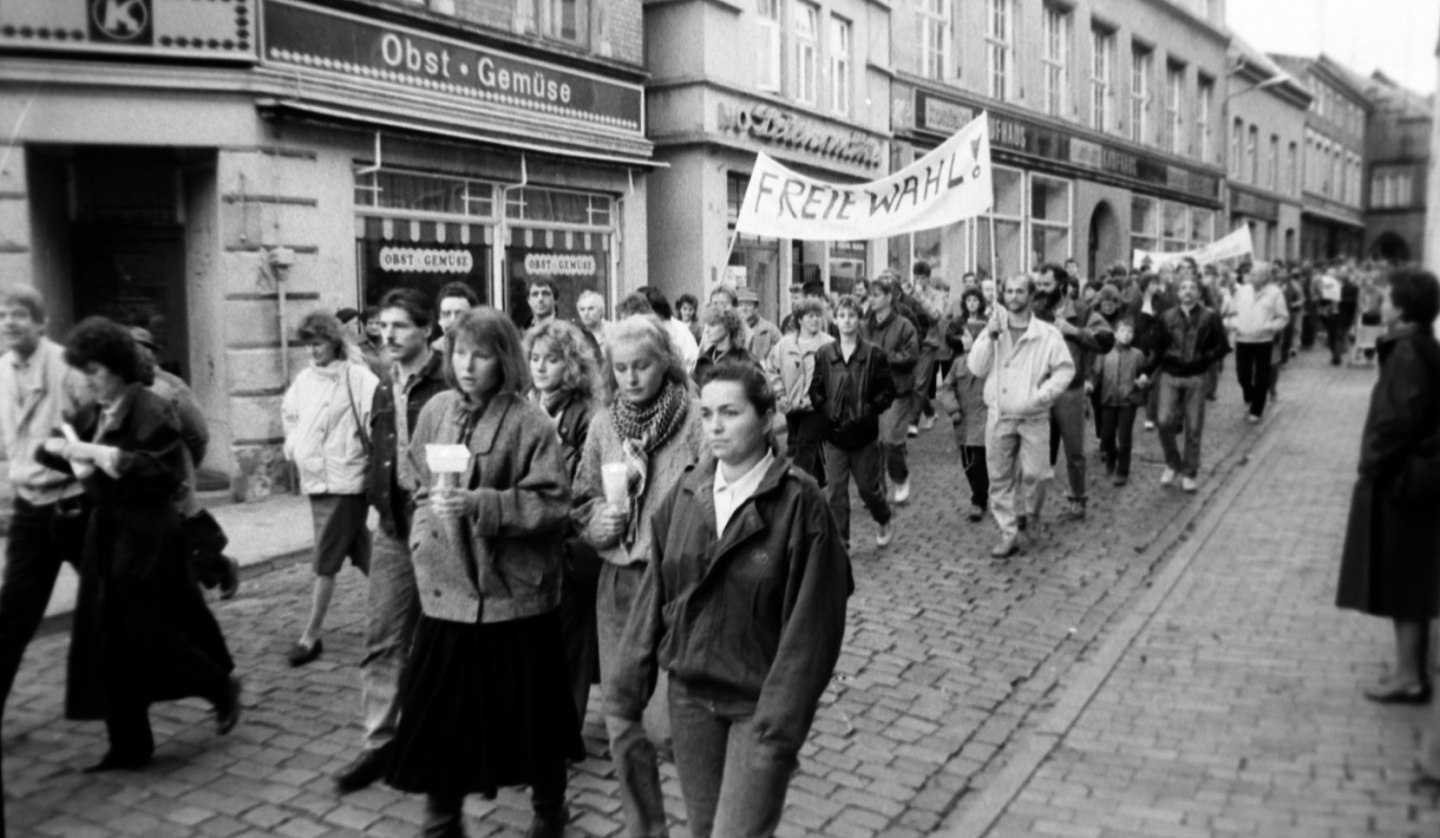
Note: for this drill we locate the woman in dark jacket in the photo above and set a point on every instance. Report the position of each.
(743, 604)
(1391, 564)
(722, 339)
(142, 632)
(485, 691)
(565, 379)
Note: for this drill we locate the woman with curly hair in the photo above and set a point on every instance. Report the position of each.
(566, 383)
(687, 311)
(326, 413)
(722, 338)
(142, 632)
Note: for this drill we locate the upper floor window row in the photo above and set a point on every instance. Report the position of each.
(805, 54)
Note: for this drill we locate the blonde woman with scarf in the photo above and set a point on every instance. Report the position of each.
(653, 428)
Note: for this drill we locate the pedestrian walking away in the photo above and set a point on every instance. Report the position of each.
(1391, 565)
(852, 388)
(1026, 366)
(754, 640)
(485, 695)
(393, 604)
(648, 435)
(142, 632)
(326, 414)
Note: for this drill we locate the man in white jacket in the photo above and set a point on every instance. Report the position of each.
(326, 414)
(1259, 314)
(1026, 366)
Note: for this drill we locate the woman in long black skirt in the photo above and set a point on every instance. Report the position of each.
(486, 691)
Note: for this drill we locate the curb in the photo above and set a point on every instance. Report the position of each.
(1193, 533)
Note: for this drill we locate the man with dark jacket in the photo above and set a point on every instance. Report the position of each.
(1087, 335)
(394, 605)
(1189, 341)
(852, 386)
(895, 336)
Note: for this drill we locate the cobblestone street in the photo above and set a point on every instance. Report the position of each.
(972, 694)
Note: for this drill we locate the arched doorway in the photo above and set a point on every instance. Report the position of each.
(1104, 247)
(1391, 248)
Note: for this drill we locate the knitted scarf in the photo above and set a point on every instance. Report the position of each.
(643, 429)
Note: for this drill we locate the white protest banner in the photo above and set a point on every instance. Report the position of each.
(1232, 246)
(949, 184)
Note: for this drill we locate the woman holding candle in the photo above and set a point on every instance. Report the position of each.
(485, 691)
(653, 430)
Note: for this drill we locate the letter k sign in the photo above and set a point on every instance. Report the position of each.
(122, 22)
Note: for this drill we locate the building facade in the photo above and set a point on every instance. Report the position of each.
(216, 170)
(1265, 112)
(1397, 156)
(804, 82)
(1104, 118)
(1332, 222)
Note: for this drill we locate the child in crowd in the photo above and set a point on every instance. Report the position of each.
(1121, 386)
(851, 387)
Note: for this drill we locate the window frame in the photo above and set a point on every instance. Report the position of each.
(1142, 80)
(1174, 107)
(1000, 49)
(770, 52)
(932, 21)
(1204, 104)
(1056, 41)
(1102, 77)
(842, 50)
(806, 52)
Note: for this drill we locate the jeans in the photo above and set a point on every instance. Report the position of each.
(1117, 432)
(393, 612)
(1182, 399)
(1337, 336)
(972, 460)
(864, 464)
(41, 538)
(733, 781)
(920, 404)
(806, 429)
(1015, 457)
(1253, 368)
(1152, 405)
(636, 760)
(894, 428)
(1067, 426)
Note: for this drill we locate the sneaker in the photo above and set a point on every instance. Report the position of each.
(300, 654)
(1006, 548)
(1167, 477)
(902, 492)
(927, 422)
(1252, 418)
(1149, 426)
(1074, 511)
(882, 538)
(1189, 484)
(912, 432)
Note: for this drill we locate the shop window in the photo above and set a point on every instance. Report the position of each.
(1003, 252)
(1144, 223)
(848, 261)
(1202, 227)
(412, 192)
(1174, 227)
(574, 260)
(1049, 219)
(754, 260)
(558, 206)
(426, 254)
(930, 250)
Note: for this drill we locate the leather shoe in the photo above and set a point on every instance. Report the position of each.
(549, 824)
(227, 710)
(1007, 548)
(364, 770)
(1392, 692)
(113, 761)
(300, 654)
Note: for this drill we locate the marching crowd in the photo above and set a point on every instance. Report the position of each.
(604, 501)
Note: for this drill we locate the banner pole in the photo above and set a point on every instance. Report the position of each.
(994, 271)
(730, 249)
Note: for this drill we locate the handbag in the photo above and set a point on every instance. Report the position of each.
(354, 411)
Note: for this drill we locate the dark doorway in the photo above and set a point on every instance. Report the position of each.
(1391, 248)
(1104, 242)
(136, 277)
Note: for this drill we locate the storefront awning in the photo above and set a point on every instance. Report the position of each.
(1331, 217)
(368, 120)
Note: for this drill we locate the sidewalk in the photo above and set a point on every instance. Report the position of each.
(1229, 702)
(262, 535)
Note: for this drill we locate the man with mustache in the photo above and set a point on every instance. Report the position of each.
(1087, 335)
(394, 605)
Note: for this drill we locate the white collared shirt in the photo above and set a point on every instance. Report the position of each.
(729, 495)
